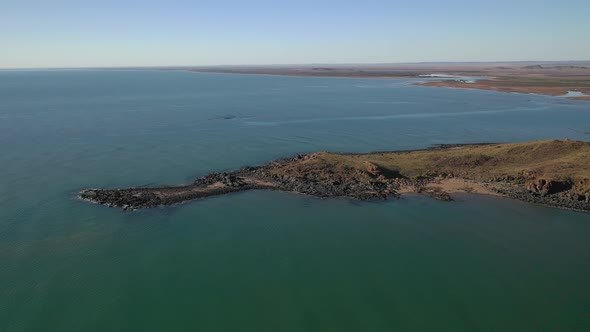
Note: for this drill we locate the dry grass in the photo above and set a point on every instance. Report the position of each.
(557, 160)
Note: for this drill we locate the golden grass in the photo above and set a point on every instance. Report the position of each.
(558, 160)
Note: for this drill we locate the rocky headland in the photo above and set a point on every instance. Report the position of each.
(554, 173)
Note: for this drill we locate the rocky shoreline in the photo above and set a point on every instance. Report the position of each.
(561, 200)
(367, 182)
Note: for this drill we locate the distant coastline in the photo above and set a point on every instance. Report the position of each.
(553, 79)
(568, 79)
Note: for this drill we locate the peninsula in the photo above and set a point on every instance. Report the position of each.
(551, 172)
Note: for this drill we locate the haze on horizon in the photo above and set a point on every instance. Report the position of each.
(68, 33)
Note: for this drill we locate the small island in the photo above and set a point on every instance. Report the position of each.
(551, 172)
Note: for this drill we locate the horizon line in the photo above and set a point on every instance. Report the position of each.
(296, 64)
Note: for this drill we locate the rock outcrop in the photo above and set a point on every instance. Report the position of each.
(378, 176)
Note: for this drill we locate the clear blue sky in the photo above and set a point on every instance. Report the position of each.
(67, 33)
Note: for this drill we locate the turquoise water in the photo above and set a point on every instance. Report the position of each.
(266, 261)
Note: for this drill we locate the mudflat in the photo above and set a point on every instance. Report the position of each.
(545, 85)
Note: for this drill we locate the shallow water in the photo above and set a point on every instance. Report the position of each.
(267, 261)
(570, 94)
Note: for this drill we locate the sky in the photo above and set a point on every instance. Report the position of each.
(107, 33)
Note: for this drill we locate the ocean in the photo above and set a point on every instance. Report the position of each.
(271, 261)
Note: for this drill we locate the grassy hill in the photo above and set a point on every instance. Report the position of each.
(562, 161)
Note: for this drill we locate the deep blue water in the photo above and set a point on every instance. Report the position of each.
(265, 261)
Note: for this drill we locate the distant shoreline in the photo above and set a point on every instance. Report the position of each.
(545, 79)
(504, 85)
